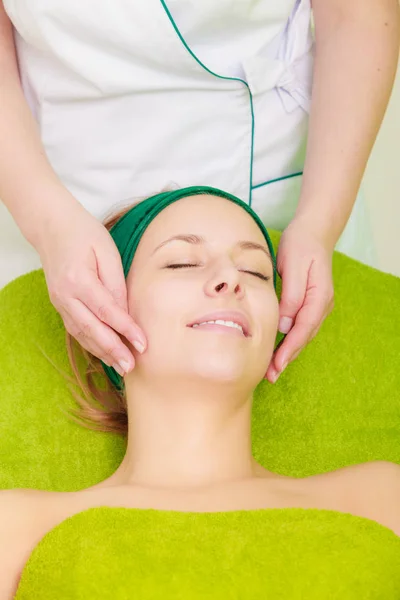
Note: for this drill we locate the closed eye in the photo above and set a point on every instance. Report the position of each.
(260, 275)
(255, 273)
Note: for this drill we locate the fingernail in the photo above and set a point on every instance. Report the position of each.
(285, 364)
(126, 366)
(285, 324)
(274, 375)
(119, 369)
(139, 346)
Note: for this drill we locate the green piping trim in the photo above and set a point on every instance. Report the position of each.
(220, 77)
(278, 179)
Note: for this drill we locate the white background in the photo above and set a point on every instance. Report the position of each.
(381, 186)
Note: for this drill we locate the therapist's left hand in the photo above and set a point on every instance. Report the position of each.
(304, 263)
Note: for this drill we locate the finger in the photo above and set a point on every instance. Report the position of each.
(288, 346)
(294, 286)
(318, 294)
(86, 343)
(96, 337)
(304, 330)
(272, 370)
(112, 281)
(111, 274)
(101, 303)
(278, 364)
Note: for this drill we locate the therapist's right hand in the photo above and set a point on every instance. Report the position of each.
(86, 284)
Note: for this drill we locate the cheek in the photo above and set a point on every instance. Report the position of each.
(268, 316)
(160, 304)
(275, 311)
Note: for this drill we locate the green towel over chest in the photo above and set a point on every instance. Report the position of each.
(291, 554)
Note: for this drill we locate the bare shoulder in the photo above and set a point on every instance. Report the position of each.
(16, 516)
(19, 506)
(375, 468)
(370, 490)
(25, 516)
(17, 513)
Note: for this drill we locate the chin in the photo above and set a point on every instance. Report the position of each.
(221, 369)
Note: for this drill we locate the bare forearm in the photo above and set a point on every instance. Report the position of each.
(355, 66)
(28, 184)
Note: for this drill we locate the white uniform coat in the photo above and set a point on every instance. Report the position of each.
(133, 95)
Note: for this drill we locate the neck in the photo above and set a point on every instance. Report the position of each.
(191, 434)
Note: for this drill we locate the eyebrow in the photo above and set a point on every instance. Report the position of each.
(191, 238)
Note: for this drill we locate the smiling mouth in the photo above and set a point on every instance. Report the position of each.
(220, 325)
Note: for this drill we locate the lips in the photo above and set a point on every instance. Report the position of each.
(225, 315)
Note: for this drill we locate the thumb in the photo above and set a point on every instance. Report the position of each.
(111, 274)
(294, 285)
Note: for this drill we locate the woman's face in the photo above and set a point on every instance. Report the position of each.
(218, 273)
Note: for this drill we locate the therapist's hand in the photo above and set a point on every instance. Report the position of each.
(304, 263)
(86, 285)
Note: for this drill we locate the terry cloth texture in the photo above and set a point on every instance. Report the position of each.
(338, 404)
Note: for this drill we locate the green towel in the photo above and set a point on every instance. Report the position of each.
(338, 404)
(286, 554)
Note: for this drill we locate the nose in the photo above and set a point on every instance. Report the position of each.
(226, 281)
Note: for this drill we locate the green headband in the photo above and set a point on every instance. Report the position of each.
(128, 232)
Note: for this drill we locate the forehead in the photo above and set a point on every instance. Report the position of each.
(215, 218)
